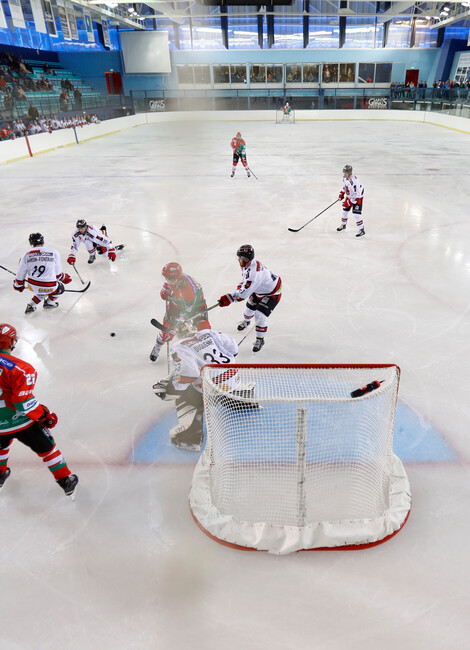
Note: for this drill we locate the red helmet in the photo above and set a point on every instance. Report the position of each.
(172, 271)
(8, 336)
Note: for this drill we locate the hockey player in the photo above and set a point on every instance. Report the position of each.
(184, 299)
(287, 111)
(353, 195)
(23, 418)
(239, 151)
(189, 354)
(260, 287)
(92, 238)
(42, 266)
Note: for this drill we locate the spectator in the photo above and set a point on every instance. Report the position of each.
(77, 95)
(3, 83)
(8, 102)
(64, 100)
(46, 68)
(33, 112)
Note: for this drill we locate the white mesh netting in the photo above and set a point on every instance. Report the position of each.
(293, 462)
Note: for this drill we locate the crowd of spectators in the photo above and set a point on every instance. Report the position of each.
(43, 124)
(440, 89)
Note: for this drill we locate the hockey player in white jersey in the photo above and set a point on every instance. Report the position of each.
(93, 239)
(262, 290)
(352, 196)
(189, 353)
(42, 268)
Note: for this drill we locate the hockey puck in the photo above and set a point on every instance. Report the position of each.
(113, 334)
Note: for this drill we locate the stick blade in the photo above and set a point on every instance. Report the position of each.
(294, 229)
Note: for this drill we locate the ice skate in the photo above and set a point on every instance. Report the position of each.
(258, 344)
(361, 233)
(30, 307)
(92, 258)
(186, 439)
(232, 174)
(4, 476)
(248, 174)
(342, 227)
(50, 304)
(155, 352)
(69, 485)
(242, 325)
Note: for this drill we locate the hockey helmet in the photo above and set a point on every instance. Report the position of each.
(347, 169)
(239, 136)
(8, 336)
(81, 223)
(36, 239)
(183, 329)
(246, 251)
(172, 271)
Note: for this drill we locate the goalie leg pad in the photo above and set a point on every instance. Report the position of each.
(188, 434)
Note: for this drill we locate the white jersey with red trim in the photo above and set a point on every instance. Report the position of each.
(97, 237)
(258, 280)
(42, 266)
(352, 188)
(189, 355)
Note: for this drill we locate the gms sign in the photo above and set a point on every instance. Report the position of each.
(379, 103)
(156, 105)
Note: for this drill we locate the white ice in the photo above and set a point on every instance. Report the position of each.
(125, 566)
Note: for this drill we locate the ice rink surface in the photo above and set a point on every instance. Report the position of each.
(125, 566)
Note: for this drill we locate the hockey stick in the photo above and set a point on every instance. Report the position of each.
(162, 328)
(306, 224)
(76, 271)
(78, 290)
(249, 168)
(250, 329)
(167, 345)
(8, 270)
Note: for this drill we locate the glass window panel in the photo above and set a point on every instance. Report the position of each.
(221, 74)
(347, 72)
(274, 74)
(360, 32)
(186, 42)
(207, 33)
(323, 32)
(202, 74)
(399, 33)
(258, 74)
(242, 29)
(293, 74)
(425, 37)
(165, 24)
(310, 73)
(329, 73)
(383, 73)
(366, 73)
(185, 74)
(288, 28)
(238, 74)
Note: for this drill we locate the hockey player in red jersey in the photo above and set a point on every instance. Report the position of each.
(23, 418)
(42, 267)
(261, 287)
(93, 239)
(352, 196)
(184, 300)
(239, 152)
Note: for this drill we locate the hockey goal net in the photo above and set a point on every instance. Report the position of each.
(284, 118)
(293, 462)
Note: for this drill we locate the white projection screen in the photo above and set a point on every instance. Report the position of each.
(145, 52)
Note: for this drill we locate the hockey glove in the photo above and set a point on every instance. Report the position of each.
(48, 419)
(160, 389)
(18, 285)
(65, 278)
(112, 255)
(71, 259)
(166, 291)
(226, 300)
(347, 204)
(341, 196)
